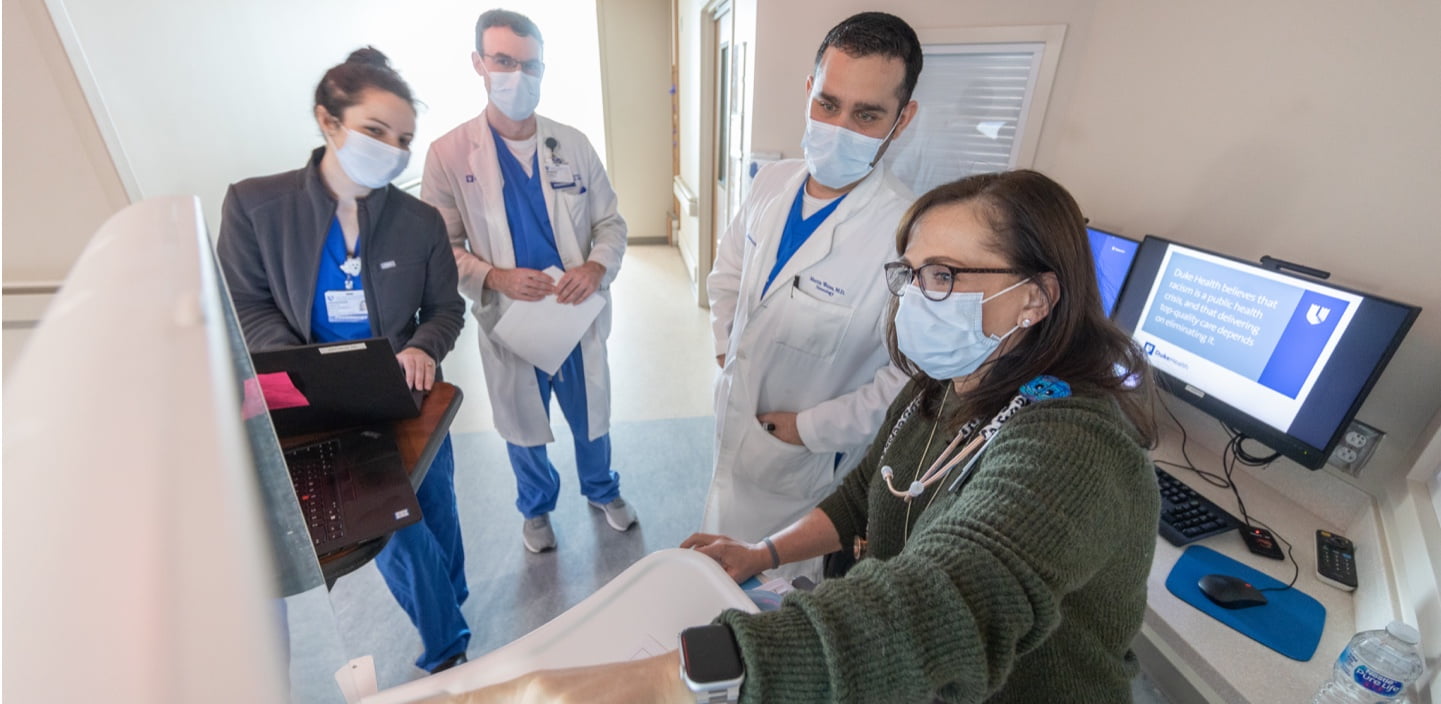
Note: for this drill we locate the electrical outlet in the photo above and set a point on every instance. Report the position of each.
(1355, 448)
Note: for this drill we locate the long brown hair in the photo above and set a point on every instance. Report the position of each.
(1038, 228)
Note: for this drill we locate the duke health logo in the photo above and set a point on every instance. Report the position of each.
(1150, 348)
(1317, 314)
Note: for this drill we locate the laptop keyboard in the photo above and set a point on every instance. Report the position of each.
(1187, 516)
(312, 470)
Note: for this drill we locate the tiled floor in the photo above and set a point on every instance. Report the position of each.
(662, 370)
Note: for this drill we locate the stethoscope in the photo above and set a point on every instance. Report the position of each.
(1041, 388)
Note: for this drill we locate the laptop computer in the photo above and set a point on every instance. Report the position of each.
(344, 462)
(352, 487)
(346, 384)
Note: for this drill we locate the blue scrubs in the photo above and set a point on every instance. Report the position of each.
(424, 563)
(537, 481)
(798, 229)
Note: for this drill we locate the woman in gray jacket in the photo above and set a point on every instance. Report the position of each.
(333, 252)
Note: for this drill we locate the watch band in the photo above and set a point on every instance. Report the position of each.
(775, 556)
(718, 696)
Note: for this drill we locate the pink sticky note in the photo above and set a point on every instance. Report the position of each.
(280, 391)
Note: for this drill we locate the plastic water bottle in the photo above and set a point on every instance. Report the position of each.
(1376, 666)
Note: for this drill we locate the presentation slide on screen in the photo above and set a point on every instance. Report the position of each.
(1252, 338)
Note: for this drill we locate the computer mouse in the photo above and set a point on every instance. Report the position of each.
(1230, 592)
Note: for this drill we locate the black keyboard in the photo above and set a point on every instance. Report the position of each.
(1187, 516)
(312, 471)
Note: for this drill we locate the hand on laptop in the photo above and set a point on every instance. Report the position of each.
(419, 368)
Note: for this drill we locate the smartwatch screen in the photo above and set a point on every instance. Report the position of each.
(711, 654)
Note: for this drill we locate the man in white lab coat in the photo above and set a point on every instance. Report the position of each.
(521, 193)
(798, 299)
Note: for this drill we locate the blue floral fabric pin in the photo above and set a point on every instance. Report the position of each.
(1045, 387)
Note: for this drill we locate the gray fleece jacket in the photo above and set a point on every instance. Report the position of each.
(272, 231)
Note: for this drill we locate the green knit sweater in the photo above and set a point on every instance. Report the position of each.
(1027, 586)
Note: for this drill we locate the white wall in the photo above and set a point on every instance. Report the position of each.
(788, 33)
(1284, 128)
(204, 94)
(59, 183)
(635, 39)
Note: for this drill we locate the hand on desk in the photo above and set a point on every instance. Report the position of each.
(419, 368)
(654, 680)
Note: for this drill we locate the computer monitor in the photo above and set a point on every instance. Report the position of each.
(1282, 359)
(1113, 256)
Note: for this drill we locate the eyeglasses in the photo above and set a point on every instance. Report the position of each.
(937, 281)
(534, 67)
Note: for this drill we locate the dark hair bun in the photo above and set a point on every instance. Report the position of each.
(368, 55)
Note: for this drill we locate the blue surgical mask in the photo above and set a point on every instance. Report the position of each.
(370, 162)
(838, 157)
(945, 338)
(516, 93)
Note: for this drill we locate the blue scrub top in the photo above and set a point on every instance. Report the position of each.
(525, 212)
(331, 278)
(798, 229)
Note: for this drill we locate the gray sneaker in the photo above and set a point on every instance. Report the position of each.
(537, 535)
(618, 513)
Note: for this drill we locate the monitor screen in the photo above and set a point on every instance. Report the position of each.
(1113, 256)
(1284, 359)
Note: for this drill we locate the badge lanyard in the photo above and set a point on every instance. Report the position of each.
(351, 266)
(1041, 388)
(1038, 389)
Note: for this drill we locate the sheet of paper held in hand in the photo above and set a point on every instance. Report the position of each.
(544, 332)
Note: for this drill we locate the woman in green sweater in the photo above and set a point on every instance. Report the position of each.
(1006, 512)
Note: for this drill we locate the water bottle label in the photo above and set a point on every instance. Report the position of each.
(1380, 684)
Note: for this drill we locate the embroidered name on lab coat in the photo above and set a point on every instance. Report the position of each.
(824, 287)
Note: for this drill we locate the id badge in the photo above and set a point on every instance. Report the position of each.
(559, 175)
(346, 307)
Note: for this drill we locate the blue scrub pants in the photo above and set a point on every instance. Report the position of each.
(424, 565)
(537, 482)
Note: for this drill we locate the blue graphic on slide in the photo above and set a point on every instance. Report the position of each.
(1230, 317)
(1301, 344)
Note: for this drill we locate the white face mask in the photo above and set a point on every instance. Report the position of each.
(370, 162)
(516, 93)
(945, 338)
(838, 157)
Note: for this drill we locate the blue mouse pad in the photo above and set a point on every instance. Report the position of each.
(1289, 623)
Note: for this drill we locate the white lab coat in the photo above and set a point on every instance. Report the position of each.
(814, 344)
(463, 180)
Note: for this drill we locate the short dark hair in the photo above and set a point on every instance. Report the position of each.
(518, 23)
(1038, 228)
(878, 34)
(364, 69)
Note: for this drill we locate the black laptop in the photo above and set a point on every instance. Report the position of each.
(347, 471)
(346, 383)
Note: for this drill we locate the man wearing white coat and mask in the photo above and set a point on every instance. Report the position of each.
(521, 193)
(798, 298)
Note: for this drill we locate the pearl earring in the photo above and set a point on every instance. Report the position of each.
(1025, 322)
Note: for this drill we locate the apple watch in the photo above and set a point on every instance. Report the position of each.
(710, 664)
